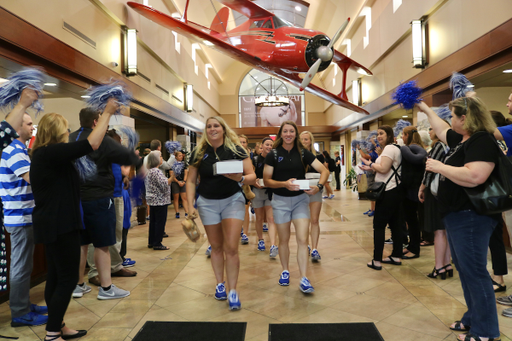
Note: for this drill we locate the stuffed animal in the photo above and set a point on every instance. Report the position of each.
(190, 228)
(249, 195)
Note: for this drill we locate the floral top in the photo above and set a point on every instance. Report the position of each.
(158, 192)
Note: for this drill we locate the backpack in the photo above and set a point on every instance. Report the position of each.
(332, 165)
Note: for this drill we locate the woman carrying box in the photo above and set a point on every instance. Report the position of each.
(284, 164)
(221, 202)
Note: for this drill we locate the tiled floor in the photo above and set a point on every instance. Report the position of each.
(178, 285)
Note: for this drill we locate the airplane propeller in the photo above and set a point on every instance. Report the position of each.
(324, 54)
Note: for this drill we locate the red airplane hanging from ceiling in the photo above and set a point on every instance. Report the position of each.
(267, 43)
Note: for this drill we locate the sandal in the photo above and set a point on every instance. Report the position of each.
(458, 327)
(435, 273)
(160, 247)
(500, 287)
(471, 337)
(390, 260)
(373, 266)
(426, 243)
(51, 337)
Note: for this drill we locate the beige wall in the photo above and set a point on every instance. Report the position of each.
(67, 107)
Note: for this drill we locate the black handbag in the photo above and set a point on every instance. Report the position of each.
(495, 194)
(375, 191)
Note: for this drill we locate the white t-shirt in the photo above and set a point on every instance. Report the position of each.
(392, 152)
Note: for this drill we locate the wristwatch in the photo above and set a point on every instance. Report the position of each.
(320, 186)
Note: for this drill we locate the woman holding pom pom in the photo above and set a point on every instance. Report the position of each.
(56, 217)
(221, 204)
(472, 157)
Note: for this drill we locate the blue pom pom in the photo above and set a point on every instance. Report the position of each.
(407, 95)
(131, 135)
(100, 94)
(443, 112)
(10, 92)
(172, 146)
(86, 168)
(460, 85)
(400, 125)
(355, 143)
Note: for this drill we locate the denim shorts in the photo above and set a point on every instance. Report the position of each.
(213, 211)
(286, 209)
(261, 199)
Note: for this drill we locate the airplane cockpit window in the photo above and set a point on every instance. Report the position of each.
(267, 24)
(257, 23)
(278, 22)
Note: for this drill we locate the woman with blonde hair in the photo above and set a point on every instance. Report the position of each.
(56, 216)
(315, 201)
(286, 163)
(220, 202)
(471, 160)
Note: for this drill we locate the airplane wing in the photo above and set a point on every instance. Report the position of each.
(247, 8)
(317, 91)
(340, 59)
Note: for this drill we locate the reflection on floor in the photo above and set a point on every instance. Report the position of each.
(178, 285)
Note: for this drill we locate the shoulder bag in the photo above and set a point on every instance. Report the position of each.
(375, 191)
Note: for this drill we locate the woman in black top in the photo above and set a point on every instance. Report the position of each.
(329, 194)
(56, 217)
(180, 171)
(472, 158)
(413, 168)
(220, 203)
(286, 163)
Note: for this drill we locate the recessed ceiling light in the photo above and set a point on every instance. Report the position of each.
(405, 116)
(85, 96)
(50, 84)
(471, 86)
(507, 71)
(298, 9)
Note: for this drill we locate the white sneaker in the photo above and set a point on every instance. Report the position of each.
(274, 251)
(80, 291)
(113, 293)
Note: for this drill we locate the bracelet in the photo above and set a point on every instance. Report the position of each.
(242, 180)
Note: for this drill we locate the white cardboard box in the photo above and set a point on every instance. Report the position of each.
(304, 184)
(228, 167)
(260, 182)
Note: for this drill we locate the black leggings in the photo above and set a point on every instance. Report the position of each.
(410, 210)
(388, 211)
(63, 257)
(498, 252)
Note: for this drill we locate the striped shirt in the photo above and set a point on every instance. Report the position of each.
(16, 193)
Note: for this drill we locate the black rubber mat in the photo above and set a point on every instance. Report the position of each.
(324, 332)
(191, 331)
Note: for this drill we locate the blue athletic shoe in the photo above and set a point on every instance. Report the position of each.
(220, 292)
(315, 255)
(244, 240)
(30, 319)
(305, 286)
(274, 251)
(261, 245)
(233, 300)
(367, 211)
(208, 252)
(252, 210)
(371, 214)
(309, 250)
(265, 227)
(284, 280)
(128, 262)
(39, 309)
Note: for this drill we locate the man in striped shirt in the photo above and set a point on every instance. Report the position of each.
(18, 203)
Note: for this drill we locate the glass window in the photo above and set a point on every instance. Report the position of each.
(278, 22)
(267, 24)
(257, 23)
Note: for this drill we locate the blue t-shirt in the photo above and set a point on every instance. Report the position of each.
(506, 132)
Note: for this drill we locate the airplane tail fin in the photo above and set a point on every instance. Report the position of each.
(220, 22)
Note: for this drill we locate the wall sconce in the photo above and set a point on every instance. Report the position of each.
(189, 97)
(419, 43)
(356, 92)
(130, 52)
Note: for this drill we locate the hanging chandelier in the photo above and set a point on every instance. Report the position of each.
(271, 101)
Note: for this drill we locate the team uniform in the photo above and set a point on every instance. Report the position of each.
(261, 199)
(289, 205)
(313, 174)
(219, 197)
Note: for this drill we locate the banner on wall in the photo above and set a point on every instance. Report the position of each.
(254, 116)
